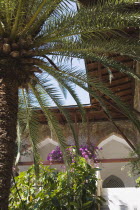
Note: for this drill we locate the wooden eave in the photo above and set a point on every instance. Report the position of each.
(121, 84)
(92, 114)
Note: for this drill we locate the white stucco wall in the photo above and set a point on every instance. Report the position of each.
(116, 147)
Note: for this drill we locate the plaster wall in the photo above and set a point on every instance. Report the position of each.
(103, 134)
(116, 147)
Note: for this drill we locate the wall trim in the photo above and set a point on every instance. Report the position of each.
(114, 137)
(47, 141)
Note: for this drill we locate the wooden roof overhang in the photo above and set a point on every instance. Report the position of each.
(93, 114)
(121, 84)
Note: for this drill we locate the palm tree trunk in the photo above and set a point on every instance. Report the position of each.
(8, 121)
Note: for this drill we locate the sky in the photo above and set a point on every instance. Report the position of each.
(68, 100)
(83, 95)
(80, 64)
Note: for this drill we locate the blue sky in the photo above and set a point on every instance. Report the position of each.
(83, 95)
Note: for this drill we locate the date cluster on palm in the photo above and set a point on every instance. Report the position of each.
(17, 60)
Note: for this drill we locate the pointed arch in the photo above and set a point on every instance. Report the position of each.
(47, 141)
(113, 137)
(113, 182)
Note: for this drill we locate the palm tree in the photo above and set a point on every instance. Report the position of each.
(33, 34)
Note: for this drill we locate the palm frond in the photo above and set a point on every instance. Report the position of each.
(68, 86)
(73, 47)
(124, 46)
(110, 62)
(89, 55)
(17, 18)
(31, 121)
(95, 21)
(52, 121)
(51, 91)
(19, 140)
(89, 3)
(80, 78)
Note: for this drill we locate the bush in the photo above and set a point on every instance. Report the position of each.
(138, 182)
(135, 164)
(74, 189)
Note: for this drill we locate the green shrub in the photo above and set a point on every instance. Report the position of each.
(135, 164)
(138, 182)
(71, 190)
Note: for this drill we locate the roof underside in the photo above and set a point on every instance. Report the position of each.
(121, 84)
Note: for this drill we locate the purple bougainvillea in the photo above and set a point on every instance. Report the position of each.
(55, 155)
(86, 151)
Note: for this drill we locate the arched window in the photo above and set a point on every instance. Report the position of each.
(113, 182)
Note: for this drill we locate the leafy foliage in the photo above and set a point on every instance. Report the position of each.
(135, 164)
(138, 182)
(54, 191)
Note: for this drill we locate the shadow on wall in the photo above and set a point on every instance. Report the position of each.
(123, 206)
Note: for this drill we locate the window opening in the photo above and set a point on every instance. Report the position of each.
(113, 182)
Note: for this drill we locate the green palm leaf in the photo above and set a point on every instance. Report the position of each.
(29, 119)
(79, 78)
(52, 121)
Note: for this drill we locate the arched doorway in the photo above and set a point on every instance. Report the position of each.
(115, 147)
(113, 182)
